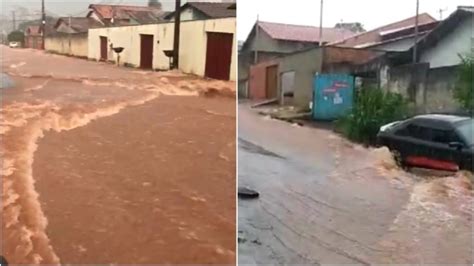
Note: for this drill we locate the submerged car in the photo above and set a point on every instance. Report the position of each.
(442, 142)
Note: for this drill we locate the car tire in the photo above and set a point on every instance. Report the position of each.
(399, 159)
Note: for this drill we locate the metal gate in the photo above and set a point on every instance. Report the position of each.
(333, 96)
(219, 55)
(103, 48)
(146, 51)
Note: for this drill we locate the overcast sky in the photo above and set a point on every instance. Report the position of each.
(371, 13)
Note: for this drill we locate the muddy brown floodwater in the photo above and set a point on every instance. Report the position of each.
(324, 200)
(107, 165)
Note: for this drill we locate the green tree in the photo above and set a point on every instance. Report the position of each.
(463, 91)
(372, 109)
(16, 36)
(154, 3)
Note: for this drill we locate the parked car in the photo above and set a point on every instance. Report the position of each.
(14, 44)
(443, 142)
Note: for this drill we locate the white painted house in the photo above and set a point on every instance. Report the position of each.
(452, 38)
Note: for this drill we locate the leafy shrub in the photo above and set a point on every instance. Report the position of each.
(463, 92)
(16, 36)
(372, 109)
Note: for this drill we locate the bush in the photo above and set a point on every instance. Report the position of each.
(372, 109)
(464, 87)
(16, 36)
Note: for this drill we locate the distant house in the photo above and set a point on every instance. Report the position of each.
(397, 36)
(122, 15)
(34, 36)
(76, 24)
(268, 40)
(70, 36)
(205, 10)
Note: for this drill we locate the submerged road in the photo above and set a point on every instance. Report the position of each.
(324, 200)
(107, 165)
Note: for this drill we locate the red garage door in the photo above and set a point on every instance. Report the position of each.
(219, 55)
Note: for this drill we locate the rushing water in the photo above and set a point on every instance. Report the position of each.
(60, 100)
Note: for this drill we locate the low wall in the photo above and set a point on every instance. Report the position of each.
(193, 43)
(68, 44)
(430, 89)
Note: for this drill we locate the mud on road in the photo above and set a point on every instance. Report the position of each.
(109, 165)
(329, 201)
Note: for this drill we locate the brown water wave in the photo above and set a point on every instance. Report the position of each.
(22, 124)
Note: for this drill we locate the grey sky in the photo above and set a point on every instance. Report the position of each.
(75, 7)
(371, 13)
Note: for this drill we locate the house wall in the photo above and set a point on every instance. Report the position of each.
(68, 44)
(446, 51)
(305, 65)
(193, 43)
(257, 80)
(396, 46)
(266, 44)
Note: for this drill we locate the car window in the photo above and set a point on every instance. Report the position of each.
(444, 136)
(419, 132)
(466, 130)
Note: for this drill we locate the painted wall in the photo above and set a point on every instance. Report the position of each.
(73, 44)
(193, 43)
(305, 65)
(257, 80)
(445, 52)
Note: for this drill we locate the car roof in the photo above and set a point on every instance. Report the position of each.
(443, 118)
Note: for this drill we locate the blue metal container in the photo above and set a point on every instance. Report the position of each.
(333, 96)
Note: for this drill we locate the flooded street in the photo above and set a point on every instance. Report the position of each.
(324, 200)
(111, 165)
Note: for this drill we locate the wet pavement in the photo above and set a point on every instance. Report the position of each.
(324, 200)
(110, 165)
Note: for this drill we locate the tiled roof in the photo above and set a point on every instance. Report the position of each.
(141, 14)
(214, 10)
(373, 36)
(79, 24)
(299, 33)
(210, 9)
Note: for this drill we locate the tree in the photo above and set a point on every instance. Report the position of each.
(463, 92)
(154, 3)
(355, 27)
(16, 36)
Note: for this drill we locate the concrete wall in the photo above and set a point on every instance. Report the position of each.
(305, 65)
(193, 43)
(446, 51)
(68, 44)
(434, 87)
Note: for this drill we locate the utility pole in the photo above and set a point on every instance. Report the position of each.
(14, 20)
(43, 24)
(70, 31)
(321, 24)
(441, 10)
(177, 24)
(255, 53)
(415, 55)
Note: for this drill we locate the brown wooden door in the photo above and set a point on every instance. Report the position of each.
(271, 82)
(103, 48)
(146, 51)
(219, 55)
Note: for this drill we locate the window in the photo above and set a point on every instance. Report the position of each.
(444, 136)
(419, 132)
